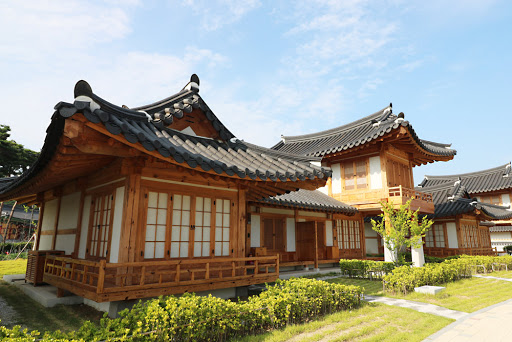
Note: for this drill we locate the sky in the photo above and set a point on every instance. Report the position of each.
(272, 68)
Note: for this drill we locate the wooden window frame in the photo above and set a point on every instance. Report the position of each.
(186, 191)
(354, 174)
(274, 232)
(94, 197)
(354, 239)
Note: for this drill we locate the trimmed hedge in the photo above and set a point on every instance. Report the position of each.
(365, 268)
(404, 279)
(196, 318)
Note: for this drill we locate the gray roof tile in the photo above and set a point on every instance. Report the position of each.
(354, 134)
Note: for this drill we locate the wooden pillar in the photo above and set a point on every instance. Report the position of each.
(242, 223)
(127, 246)
(78, 233)
(40, 221)
(316, 245)
(56, 226)
(362, 237)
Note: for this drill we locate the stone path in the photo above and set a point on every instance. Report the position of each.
(418, 306)
(489, 324)
(491, 277)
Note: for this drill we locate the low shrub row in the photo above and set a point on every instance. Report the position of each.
(365, 268)
(404, 279)
(195, 318)
(14, 247)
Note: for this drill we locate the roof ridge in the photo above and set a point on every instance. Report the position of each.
(338, 129)
(469, 174)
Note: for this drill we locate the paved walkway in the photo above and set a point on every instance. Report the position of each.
(418, 306)
(489, 324)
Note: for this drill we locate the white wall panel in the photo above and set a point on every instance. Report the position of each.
(49, 215)
(505, 199)
(375, 173)
(45, 242)
(328, 233)
(65, 242)
(336, 178)
(85, 227)
(451, 230)
(116, 225)
(69, 208)
(255, 230)
(290, 234)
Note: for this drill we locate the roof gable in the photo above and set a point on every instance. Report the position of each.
(356, 134)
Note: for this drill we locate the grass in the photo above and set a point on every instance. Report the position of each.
(467, 295)
(371, 322)
(12, 267)
(32, 315)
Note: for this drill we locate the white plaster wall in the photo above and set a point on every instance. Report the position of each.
(336, 178)
(277, 211)
(328, 233)
(255, 230)
(116, 225)
(501, 236)
(312, 214)
(65, 242)
(85, 227)
(368, 231)
(69, 208)
(290, 234)
(49, 215)
(451, 230)
(324, 190)
(45, 242)
(505, 199)
(372, 247)
(375, 173)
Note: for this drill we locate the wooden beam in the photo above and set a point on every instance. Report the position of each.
(56, 226)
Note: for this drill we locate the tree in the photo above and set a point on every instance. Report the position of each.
(14, 158)
(401, 227)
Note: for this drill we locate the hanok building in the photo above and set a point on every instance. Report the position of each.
(154, 200)
(490, 187)
(460, 222)
(371, 161)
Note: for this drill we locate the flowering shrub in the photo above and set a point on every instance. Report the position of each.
(404, 279)
(195, 318)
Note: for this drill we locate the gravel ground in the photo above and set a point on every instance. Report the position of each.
(8, 315)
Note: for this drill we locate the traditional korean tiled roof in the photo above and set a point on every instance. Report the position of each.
(148, 125)
(311, 200)
(452, 199)
(355, 134)
(497, 178)
(20, 213)
(496, 229)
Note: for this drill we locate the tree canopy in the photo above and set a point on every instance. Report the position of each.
(14, 157)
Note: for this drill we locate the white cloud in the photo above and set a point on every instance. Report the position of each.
(215, 15)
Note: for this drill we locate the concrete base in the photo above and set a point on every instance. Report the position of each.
(427, 289)
(46, 295)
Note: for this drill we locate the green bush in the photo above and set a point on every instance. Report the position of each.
(404, 279)
(195, 318)
(365, 268)
(508, 249)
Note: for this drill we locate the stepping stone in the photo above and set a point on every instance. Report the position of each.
(427, 289)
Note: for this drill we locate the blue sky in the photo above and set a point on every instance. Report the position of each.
(273, 67)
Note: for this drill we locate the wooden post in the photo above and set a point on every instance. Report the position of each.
(39, 222)
(316, 245)
(101, 276)
(56, 226)
(79, 224)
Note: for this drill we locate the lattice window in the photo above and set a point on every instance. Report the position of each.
(355, 175)
(429, 238)
(439, 235)
(180, 226)
(222, 226)
(101, 225)
(156, 222)
(349, 234)
(492, 199)
(202, 231)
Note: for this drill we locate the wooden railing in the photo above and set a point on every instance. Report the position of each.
(409, 193)
(86, 277)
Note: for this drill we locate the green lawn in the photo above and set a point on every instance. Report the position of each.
(33, 315)
(12, 267)
(371, 322)
(467, 295)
